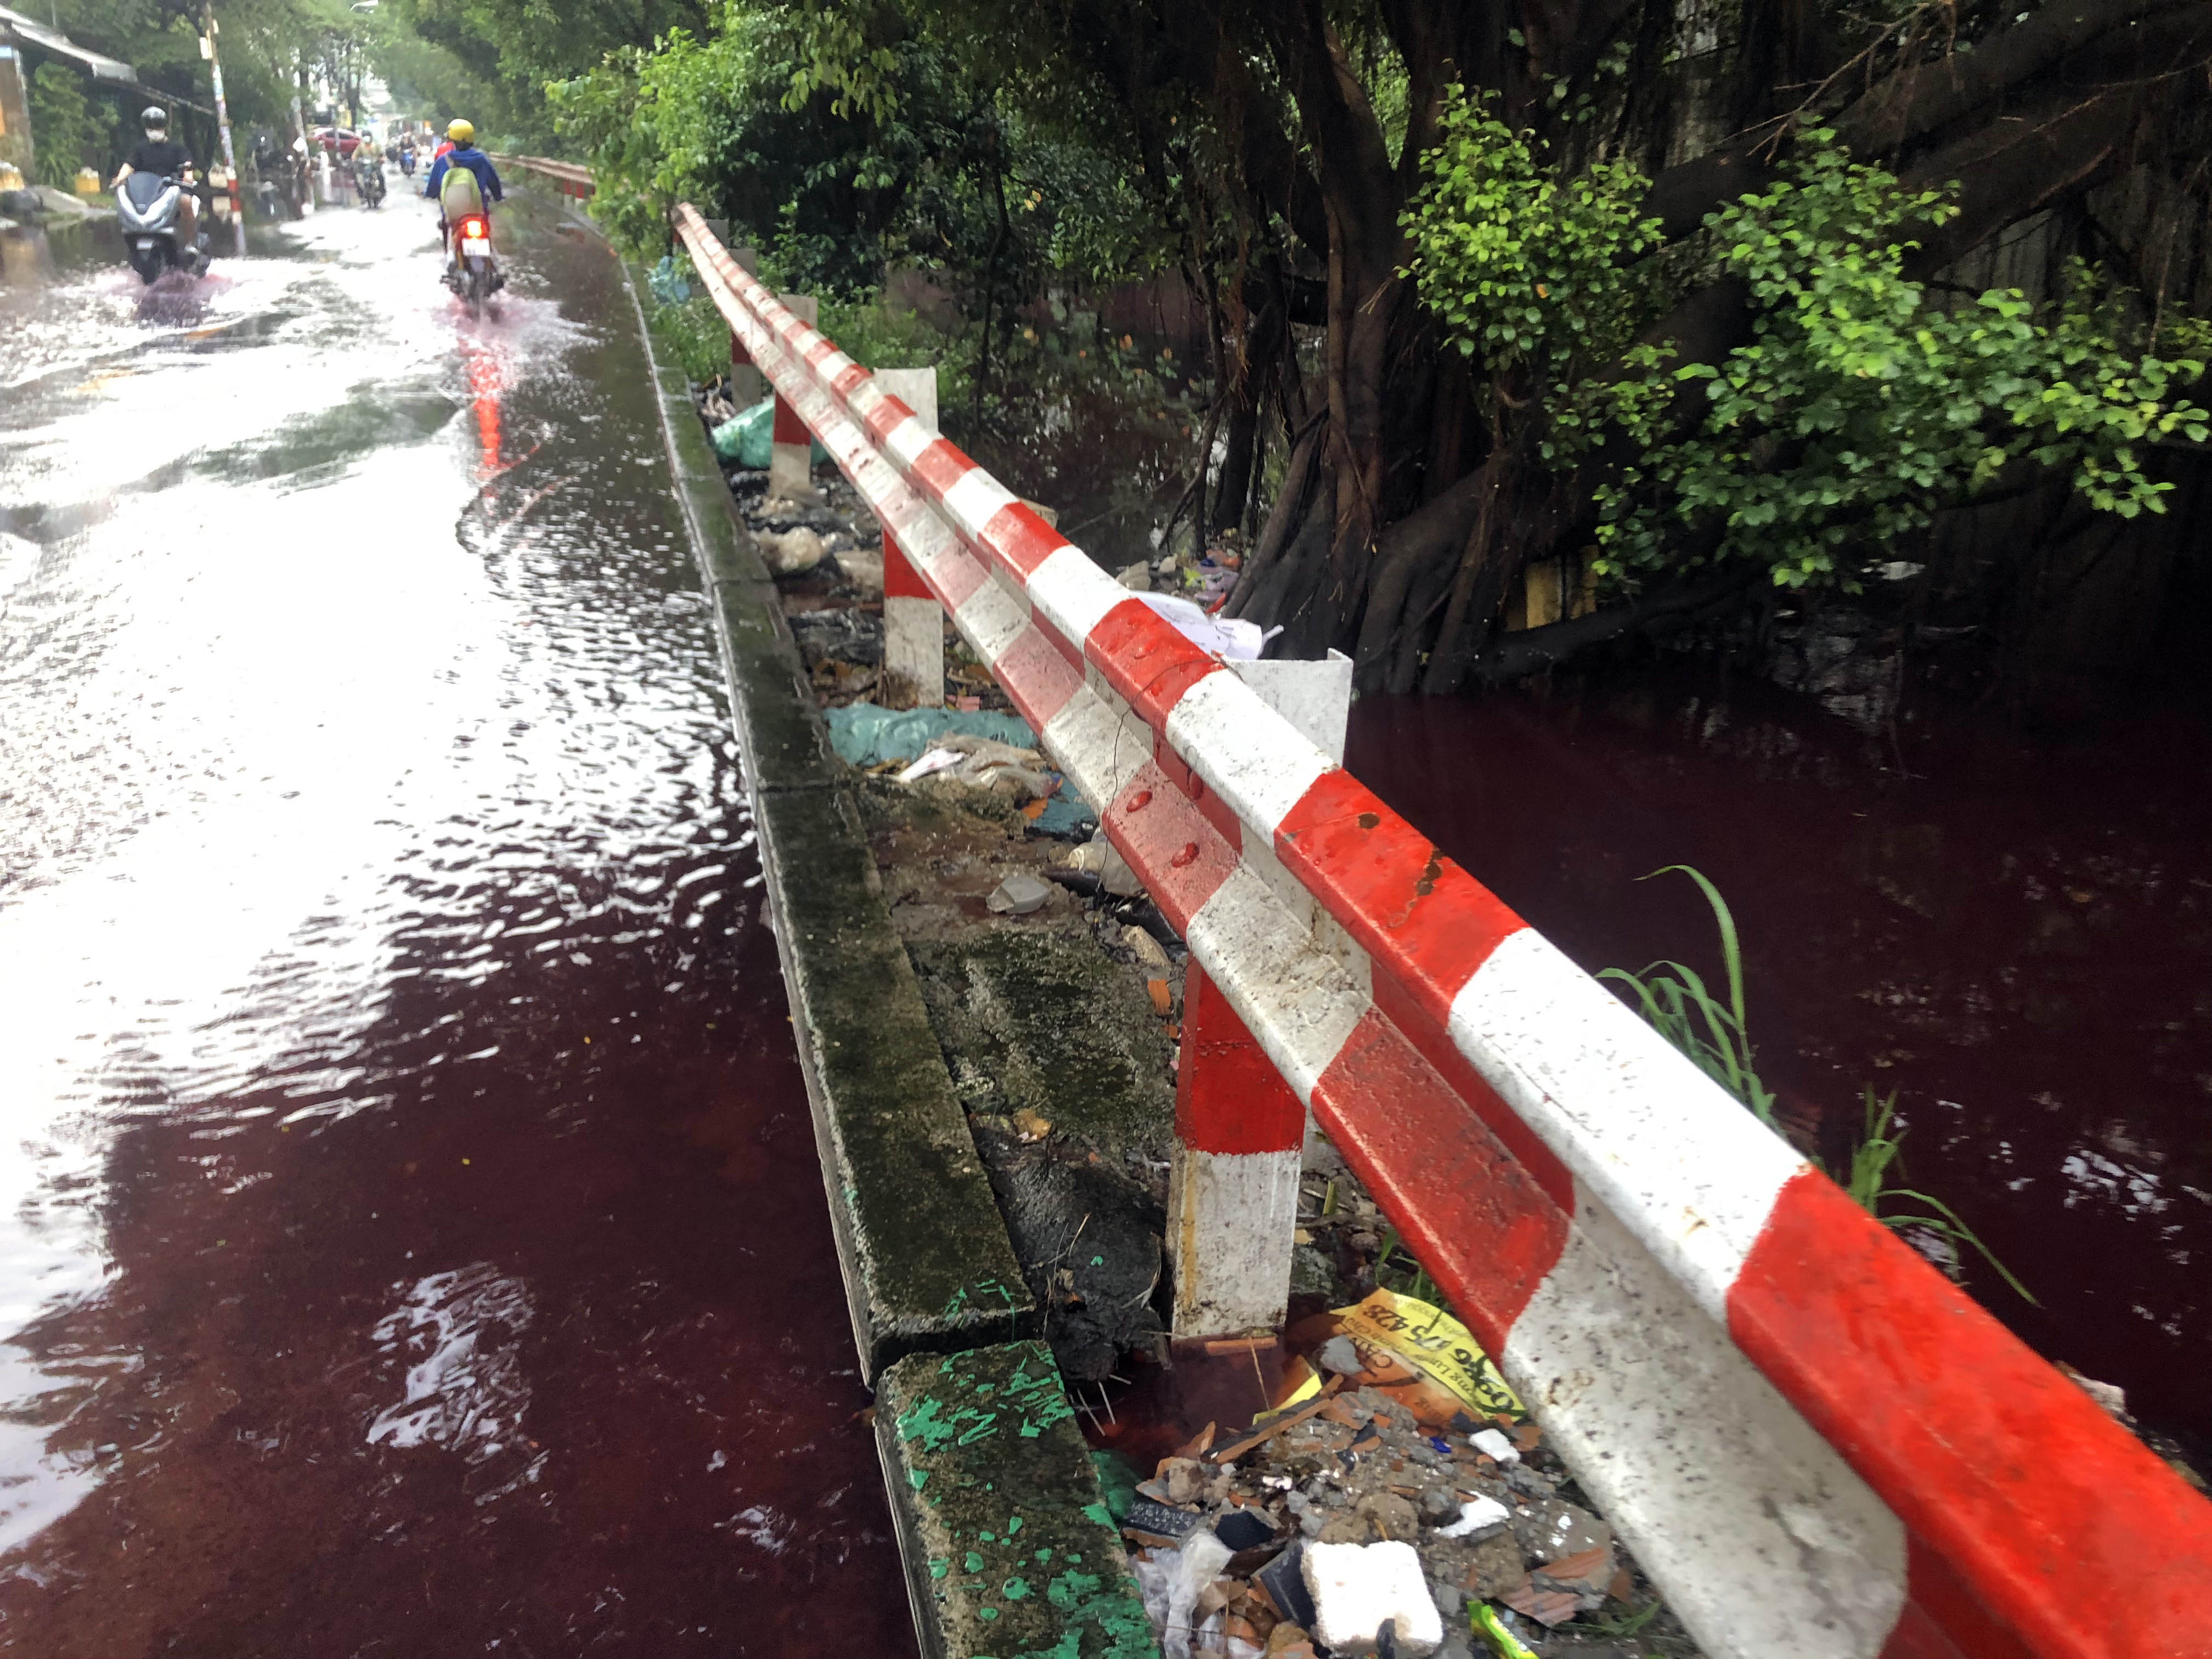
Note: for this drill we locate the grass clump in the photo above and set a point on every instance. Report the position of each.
(1714, 1033)
(1673, 1000)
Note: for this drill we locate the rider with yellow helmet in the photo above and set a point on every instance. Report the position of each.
(473, 181)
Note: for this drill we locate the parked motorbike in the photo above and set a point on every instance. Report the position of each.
(369, 177)
(147, 210)
(471, 270)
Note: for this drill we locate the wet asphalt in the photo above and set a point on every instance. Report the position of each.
(411, 1239)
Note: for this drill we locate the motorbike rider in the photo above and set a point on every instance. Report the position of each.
(369, 174)
(477, 186)
(165, 158)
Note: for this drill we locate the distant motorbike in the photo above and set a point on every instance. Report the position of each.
(471, 270)
(368, 176)
(147, 210)
(407, 162)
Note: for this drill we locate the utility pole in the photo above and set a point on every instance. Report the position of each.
(299, 156)
(222, 124)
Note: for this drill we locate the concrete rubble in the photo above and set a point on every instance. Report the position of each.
(1369, 1505)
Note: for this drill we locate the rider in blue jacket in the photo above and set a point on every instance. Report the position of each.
(464, 153)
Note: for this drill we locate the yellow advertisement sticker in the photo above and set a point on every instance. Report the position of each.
(1402, 1333)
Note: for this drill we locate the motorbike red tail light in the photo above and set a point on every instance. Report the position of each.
(472, 227)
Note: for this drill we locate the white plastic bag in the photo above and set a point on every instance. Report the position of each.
(1227, 637)
(1198, 1563)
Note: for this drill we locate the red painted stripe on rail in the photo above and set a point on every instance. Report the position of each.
(2076, 1537)
(939, 467)
(1423, 920)
(849, 381)
(1229, 1096)
(885, 416)
(1146, 660)
(1218, 812)
(1397, 1006)
(1019, 540)
(958, 580)
(1475, 1217)
(1167, 841)
(1066, 648)
(1038, 675)
(1941, 1619)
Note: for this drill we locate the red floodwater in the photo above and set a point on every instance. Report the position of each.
(2015, 935)
(411, 1237)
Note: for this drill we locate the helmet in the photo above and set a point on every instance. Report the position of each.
(154, 116)
(460, 132)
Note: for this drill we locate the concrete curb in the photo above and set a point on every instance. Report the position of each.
(1008, 1544)
(928, 1264)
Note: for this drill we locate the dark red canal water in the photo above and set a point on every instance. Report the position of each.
(411, 1238)
(2012, 933)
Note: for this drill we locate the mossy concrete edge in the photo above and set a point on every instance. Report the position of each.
(1010, 1551)
(928, 1264)
(869, 1055)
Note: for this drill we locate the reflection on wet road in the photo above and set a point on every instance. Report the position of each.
(412, 1240)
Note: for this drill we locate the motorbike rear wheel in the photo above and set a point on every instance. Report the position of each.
(477, 287)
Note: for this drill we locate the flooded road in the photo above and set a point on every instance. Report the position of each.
(2012, 933)
(411, 1238)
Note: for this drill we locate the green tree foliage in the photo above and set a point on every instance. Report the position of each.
(1450, 247)
(507, 52)
(1862, 403)
(70, 127)
(925, 163)
(267, 46)
(1528, 267)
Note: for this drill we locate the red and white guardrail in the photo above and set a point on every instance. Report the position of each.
(1815, 1443)
(570, 180)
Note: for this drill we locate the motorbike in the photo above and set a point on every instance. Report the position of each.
(407, 162)
(368, 175)
(471, 270)
(147, 210)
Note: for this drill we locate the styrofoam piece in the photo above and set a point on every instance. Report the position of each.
(1358, 1588)
(1474, 1515)
(1490, 1444)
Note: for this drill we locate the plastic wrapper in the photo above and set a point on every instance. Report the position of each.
(1411, 1350)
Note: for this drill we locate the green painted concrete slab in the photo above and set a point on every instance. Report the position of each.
(1010, 1551)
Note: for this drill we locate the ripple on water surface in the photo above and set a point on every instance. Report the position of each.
(410, 1235)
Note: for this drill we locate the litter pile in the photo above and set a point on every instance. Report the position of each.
(1397, 1502)
(824, 548)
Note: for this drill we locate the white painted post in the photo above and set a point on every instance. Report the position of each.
(1241, 1137)
(1233, 1181)
(746, 381)
(789, 466)
(914, 626)
(1315, 697)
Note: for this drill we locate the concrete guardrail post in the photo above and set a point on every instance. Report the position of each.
(789, 466)
(913, 624)
(1240, 1131)
(1233, 1186)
